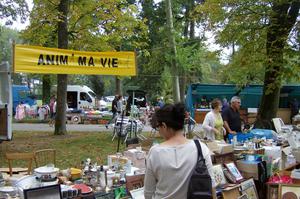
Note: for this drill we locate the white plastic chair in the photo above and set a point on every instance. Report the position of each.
(117, 126)
(280, 127)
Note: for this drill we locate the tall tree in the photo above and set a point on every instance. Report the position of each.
(259, 31)
(193, 59)
(93, 25)
(282, 19)
(62, 79)
(172, 45)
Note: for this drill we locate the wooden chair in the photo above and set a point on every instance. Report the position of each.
(19, 156)
(44, 156)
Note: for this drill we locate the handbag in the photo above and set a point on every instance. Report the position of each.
(200, 185)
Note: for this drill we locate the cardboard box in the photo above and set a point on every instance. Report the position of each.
(220, 148)
(248, 169)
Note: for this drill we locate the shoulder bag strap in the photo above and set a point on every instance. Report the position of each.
(200, 155)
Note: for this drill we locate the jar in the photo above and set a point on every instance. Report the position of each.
(110, 176)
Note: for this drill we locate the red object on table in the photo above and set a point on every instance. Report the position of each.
(84, 188)
(276, 178)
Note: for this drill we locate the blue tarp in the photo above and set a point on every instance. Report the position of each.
(254, 133)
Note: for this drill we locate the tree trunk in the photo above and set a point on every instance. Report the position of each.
(183, 81)
(118, 86)
(46, 89)
(189, 33)
(174, 69)
(282, 20)
(62, 80)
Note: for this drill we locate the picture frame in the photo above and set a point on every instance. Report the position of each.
(289, 191)
(218, 175)
(248, 188)
(273, 190)
(244, 196)
(46, 192)
(231, 167)
(137, 193)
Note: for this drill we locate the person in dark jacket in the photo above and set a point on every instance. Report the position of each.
(231, 117)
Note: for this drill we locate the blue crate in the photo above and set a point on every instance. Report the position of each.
(258, 133)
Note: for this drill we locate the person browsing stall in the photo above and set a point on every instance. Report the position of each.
(231, 117)
(170, 164)
(213, 122)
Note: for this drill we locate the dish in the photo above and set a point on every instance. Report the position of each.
(46, 172)
(84, 189)
(7, 189)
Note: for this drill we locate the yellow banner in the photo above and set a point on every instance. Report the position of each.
(35, 59)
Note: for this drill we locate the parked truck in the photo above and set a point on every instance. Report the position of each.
(81, 97)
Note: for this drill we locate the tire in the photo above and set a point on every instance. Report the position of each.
(76, 119)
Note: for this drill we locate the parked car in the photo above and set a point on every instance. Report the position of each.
(109, 98)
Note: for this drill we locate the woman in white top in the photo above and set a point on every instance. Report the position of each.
(170, 164)
(213, 122)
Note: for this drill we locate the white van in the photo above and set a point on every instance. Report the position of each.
(81, 97)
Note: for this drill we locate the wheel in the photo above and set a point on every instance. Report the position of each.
(76, 119)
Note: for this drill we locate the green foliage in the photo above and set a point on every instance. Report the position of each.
(244, 25)
(195, 62)
(7, 36)
(12, 10)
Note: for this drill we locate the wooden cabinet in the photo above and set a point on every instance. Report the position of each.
(3, 122)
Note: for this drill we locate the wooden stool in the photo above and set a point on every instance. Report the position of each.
(19, 156)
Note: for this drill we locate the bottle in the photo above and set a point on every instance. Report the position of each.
(235, 139)
(102, 177)
(110, 175)
(128, 166)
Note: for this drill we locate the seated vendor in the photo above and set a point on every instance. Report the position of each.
(231, 117)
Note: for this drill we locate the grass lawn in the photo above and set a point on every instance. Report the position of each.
(71, 149)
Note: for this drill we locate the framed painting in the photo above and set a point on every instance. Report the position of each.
(244, 196)
(248, 188)
(218, 175)
(289, 191)
(231, 167)
(273, 191)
